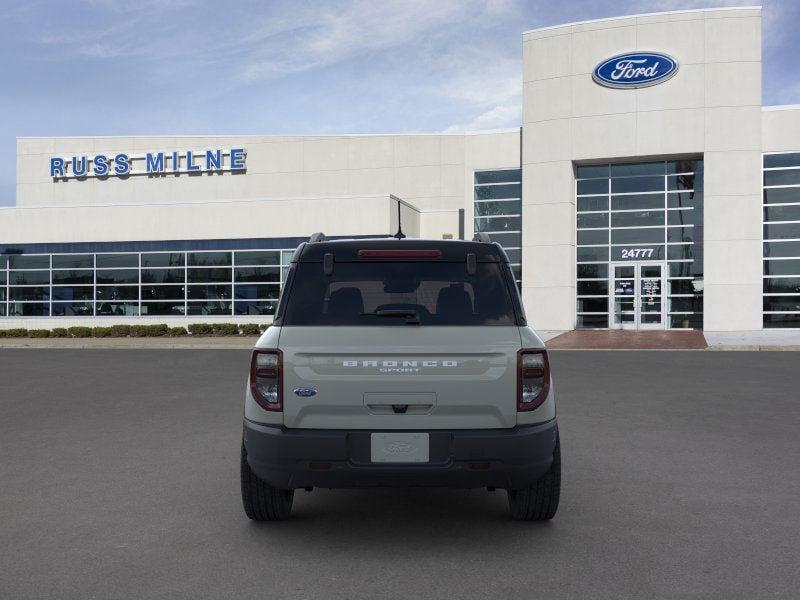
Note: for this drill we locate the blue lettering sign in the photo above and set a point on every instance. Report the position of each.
(635, 70)
(121, 164)
(190, 166)
(56, 167)
(155, 163)
(176, 162)
(237, 159)
(100, 165)
(213, 160)
(79, 166)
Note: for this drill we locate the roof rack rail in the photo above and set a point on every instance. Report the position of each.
(317, 237)
(482, 237)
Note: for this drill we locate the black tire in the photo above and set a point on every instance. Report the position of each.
(539, 502)
(261, 501)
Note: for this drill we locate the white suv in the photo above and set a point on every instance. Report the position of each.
(397, 362)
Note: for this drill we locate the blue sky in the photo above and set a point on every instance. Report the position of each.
(102, 67)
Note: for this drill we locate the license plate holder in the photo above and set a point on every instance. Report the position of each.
(400, 447)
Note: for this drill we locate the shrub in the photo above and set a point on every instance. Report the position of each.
(156, 330)
(177, 331)
(138, 330)
(80, 332)
(263, 327)
(38, 333)
(16, 332)
(224, 329)
(60, 332)
(120, 330)
(101, 332)
(200, 329)
(250, 329)
(2, 333)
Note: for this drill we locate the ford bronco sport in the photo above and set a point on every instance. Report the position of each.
(399, 362)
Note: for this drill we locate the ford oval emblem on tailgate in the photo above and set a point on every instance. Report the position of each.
(305, 392)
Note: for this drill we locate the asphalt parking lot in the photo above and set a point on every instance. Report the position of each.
(119, 479)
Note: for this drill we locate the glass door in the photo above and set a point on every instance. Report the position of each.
(637, 295)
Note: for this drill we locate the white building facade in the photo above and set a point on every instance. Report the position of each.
(647, 188)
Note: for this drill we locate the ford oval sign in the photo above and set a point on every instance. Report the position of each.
(305, 392)
(635, 70)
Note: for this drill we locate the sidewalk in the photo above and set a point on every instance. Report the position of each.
(768, 339)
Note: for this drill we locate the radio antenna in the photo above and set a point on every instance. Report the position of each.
(399, 235)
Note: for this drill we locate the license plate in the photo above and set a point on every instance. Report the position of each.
(400, 447)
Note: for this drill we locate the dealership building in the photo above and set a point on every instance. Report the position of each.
(647, 188)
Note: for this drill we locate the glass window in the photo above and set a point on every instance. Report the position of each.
(637, 202)
(684, 286)
(685, 200)
(162, 308)
(209, 259)
(3, 262)
(209, 308)
(782, 267)
(593, 186)
(686, 321)
(593, 220)
(258, 257)
(683, 182)
(782, 285)
(788, 177)
(684, 166)
(29, 277)
(29, 293)
(782, 195)
(593, 203)
(512, 240)
(638, 252)
(499, 176)
(637, 236)
(596, 271)
(592, 236)
(593, 288)
(680, 252)
(501, 224)
(592, 254)
(2, 278)
(592, 321)
(623, 170)
(257, 274)
(163, 276)
(255, 308)
(591, 171)
(693, 304)
(73, 261)
(117, 309)
(639, 218)
(118, 276)
(72, 292)
(489, 192)
(209, 292)
(782, 320)
(781, 249)
(257, 292)
(514, 256)
(782, 160)
(593, 305)
(683, 269)
(28, 309)
(26, 261)
(220, 275)
(684, 217)
(680, 234)
(162, 292)
(495, 207)
(624, 185)
(122, 292)
(65, 277)
(163, 259)
(782, 303)
(73, 309)
(782, 231)
(782, 213)
(113, 261)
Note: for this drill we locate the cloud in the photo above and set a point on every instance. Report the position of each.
(497, 117)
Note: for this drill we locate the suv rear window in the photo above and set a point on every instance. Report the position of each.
(399, 293)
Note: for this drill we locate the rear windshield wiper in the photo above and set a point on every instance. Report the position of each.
(412, 316)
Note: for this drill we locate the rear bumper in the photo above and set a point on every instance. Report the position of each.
(504, 458)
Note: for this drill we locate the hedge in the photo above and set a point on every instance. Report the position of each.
(162, 329)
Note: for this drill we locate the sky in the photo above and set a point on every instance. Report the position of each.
(162, 67)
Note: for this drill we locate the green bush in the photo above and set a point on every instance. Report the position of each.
(2, 333)
(138, 331)
(159, 330)
(101, 332)
(224, 329)
(250, 329)
(59, 332)
(263, 327)
(200, 329)
(120, 330)
(80, 332)
(177, 331)
(15, 332)
(38, 333)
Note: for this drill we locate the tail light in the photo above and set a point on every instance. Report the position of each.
(533, 378)
(266, 379)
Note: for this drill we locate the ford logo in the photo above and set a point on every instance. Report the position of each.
(635, 70)
(305, 392)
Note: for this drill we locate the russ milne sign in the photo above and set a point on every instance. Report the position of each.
(151, 163)
(635, 70)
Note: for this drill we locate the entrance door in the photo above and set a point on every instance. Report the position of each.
(637, 295)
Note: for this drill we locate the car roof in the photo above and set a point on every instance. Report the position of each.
(346, 250)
